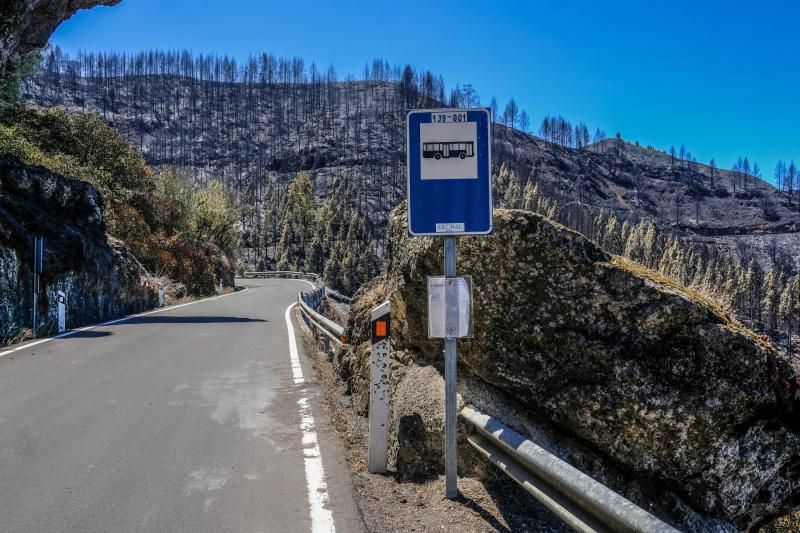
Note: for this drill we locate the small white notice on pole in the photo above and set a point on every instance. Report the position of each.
(449, 307)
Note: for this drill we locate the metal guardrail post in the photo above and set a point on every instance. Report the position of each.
(326, 326)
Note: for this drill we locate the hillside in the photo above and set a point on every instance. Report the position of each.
(256, 125)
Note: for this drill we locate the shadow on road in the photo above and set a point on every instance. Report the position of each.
(191, 320)
(87, 335)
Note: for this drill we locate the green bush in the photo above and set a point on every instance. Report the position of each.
(173, 226)
(80, 145)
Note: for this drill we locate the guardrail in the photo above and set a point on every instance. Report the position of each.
(283, 274)
(307, 301)
(581, 502)
(310, 301)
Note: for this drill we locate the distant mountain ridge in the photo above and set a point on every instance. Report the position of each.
(250, 133)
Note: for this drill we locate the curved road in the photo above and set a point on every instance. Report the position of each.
(188, 419)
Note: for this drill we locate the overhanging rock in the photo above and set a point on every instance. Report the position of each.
(26, 25)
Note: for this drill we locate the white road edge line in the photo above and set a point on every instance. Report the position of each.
(115, 321)
(306, 281)
(321, 516)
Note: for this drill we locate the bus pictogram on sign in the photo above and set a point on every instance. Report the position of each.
(439, 150)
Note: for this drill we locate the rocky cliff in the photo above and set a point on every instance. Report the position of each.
(26, 25)
(99, 275)
(642, 376)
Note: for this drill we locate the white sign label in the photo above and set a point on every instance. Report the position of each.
(449, 308)
(455, 116)
(448, 148)
(450, 228)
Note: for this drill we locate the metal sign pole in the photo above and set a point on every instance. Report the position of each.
(449, 191)
(38, 268)
(35, 298)
(450, 437)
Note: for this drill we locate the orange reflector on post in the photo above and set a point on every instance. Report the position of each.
(380, 328)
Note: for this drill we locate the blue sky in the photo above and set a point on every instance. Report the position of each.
(721, 77)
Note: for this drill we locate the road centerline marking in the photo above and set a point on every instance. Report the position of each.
(318, 500)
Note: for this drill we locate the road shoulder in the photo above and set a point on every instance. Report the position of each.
(387, 503)
(347, 515)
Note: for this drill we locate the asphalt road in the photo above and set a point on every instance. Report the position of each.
(190, 419)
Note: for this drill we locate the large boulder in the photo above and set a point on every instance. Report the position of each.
(26, 25)
(657, 379)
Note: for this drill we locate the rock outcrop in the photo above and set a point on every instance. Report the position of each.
(99, 275)
(653, 379)
(26, 25)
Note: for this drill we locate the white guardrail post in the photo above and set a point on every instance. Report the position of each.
(379, 389)
(61, 302)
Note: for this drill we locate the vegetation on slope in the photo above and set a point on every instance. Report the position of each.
(768, 302)
(175, 227)
(321, 236)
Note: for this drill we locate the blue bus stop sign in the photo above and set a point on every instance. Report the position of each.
(449, 172)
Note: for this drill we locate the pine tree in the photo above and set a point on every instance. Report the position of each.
(753, 281)
(611, 234)
(634, 246)
(530, 196)
(513, 196)
(712, 165)
(650, 246)
(772, 299)
(333, 269)
(296, 224)
(500, 184)
(315, 262)
(787, 309)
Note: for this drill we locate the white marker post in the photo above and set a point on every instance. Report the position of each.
(379, 389)
(61, 302)
(160, 295)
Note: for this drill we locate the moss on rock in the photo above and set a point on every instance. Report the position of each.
(657, 378)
